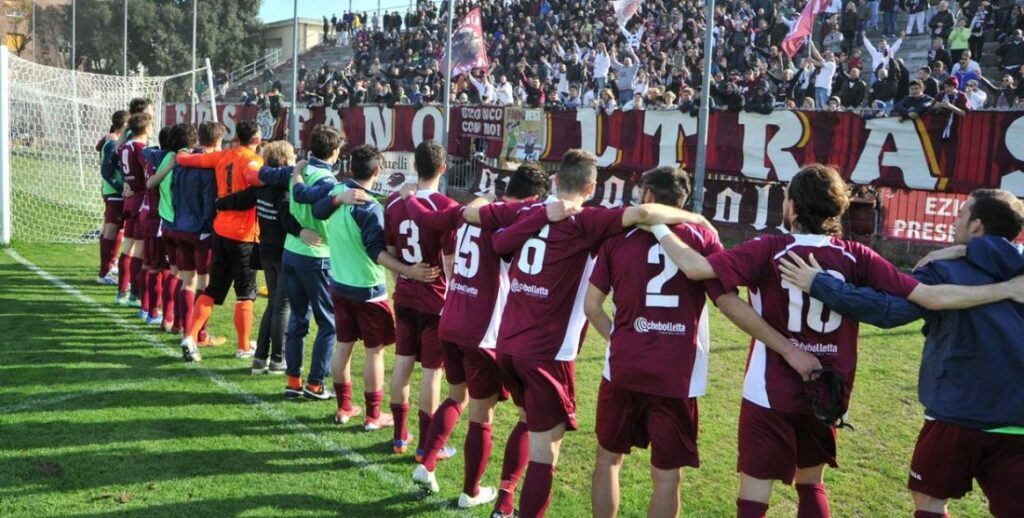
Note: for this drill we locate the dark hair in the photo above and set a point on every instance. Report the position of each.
(118, 120)
(139, 105)
(1000, 211)
(210, 132)
(578, 170)
(819, 198)
(669, 185)
(362, 162)
(139, 122)
(182, 136)
(164, 138)
(324, 141)
(528, 181)
(916, 82)
(246, 130)
(429, 159)
(926, 69)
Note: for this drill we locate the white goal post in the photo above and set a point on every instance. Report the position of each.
(50, 122)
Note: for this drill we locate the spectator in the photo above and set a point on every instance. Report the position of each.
(975, 96)
(761, 102)
(826, 65)
(833, 105)
(852, 89)
(883, 91)
(637, 103)
(959, 40)
(808, 104)
(938, 52)
(931, 85)
(939, 71)
(941, 23)
(916, 104)
(849, 24)
(889, 9)
(965, 61)
(952, 103)
(626, 74)
(881, 55)
(606, 102)
(573, 100)
(1004, 96)
(1011, 54)
(503, 92)
(915, 15)
(964, 72)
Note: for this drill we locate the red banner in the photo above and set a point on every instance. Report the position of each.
(986, 149)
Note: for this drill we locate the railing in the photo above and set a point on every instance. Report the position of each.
(253, 69)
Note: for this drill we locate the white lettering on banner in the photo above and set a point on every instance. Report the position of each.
(756, 149)
(909, 156)
(948, 207)
(923, 230)
(333, 118)
(1014, 140)
(229, 121)
(301, 116)
(419, 121)
(179, 112)
(670, 123)
(588, 137)
(380, 128)
(614, 189)
(727, 206)
(763, 193)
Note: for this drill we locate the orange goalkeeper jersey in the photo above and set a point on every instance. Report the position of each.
(236, 170)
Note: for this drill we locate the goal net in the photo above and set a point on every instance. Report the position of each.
(56, 117)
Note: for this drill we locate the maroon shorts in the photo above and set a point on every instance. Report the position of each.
(113, 211)
(194, 254)
(131, 218)
(167, 240)
(153, 256)
(626, 418)
(545, 389)
(373, 322)
(475, 367)
(416, 335)
(947, 457)
(773, 443)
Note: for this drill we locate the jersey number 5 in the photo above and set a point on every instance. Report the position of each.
(412, 253)
(467, 254)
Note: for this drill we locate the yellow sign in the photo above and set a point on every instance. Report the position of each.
(14, 41)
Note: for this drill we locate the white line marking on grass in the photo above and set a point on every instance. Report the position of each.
(399, 483)
(37, 403)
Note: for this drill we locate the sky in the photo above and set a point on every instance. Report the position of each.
(276, 10)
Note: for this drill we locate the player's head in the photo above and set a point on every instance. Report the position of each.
(278, 154)
(182, 136)
(139, 124)
(429, 160)
(815, 201)
(364, 163)
(665, 185)
(164, 137)
(325, 143)
(211, 134)
(578, 173)
(248, 133)
(528, 181)
(993, 212)
(118, 121)
(140, 105)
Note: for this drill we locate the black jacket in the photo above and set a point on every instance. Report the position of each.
(763, 104)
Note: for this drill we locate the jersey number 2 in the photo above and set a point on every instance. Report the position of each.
(655, 299)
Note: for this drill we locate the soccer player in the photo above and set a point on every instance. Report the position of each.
(234, 236)
(359, 256)
(193, 194)
(479, 286)
(417, 304)
(781, 436)
(113, 202)
(543, 324)
(154, 263)
(133, 167)
(657, 359)
(971, 356)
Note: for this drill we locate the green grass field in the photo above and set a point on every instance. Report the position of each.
(99, 416)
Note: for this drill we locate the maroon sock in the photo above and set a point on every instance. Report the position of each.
(401, 413)
(929, 514)
(517, 454)
(750, 509)
(155, 291)
(135, 265)
(106, 255)
(170, 296)
(441, 425)
(373, 400)
(116, 250)
(478, 454)
(179, 305)
(188, 301)
(144, 291)
(536, 489)
(124, 273)
(425, 419)
(813, 501)
(343, 391)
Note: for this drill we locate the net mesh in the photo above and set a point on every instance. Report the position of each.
(57, 117)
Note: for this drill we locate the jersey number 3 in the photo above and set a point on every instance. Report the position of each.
(412, 253)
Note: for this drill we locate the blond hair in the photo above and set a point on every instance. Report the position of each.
(279, 153)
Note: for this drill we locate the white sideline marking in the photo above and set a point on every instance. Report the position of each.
(232, 388)
(37, 403)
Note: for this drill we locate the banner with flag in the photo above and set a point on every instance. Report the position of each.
(625, 9)
(468, 48)
(802, 28)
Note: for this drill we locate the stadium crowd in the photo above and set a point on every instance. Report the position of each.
(571, 53)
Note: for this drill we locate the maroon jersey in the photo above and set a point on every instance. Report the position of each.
(133, 167)
(149, 214)
(544, 317)
(479, 287)
(659, 342)
(416, 245)
(770, 382)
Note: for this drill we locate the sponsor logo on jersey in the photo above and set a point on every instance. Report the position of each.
(817, 348)
(642, 325)
(463, 288)
(528, 289)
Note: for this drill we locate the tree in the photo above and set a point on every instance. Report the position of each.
(19, 18)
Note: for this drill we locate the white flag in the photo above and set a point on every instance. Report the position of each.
(625, 9)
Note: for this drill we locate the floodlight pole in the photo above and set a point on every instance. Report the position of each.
(195, 18)
(125, 57)
(448, 75)
(700, 169)
(74, 34)
(293, 115)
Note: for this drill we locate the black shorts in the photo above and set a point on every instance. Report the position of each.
(231, 264)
